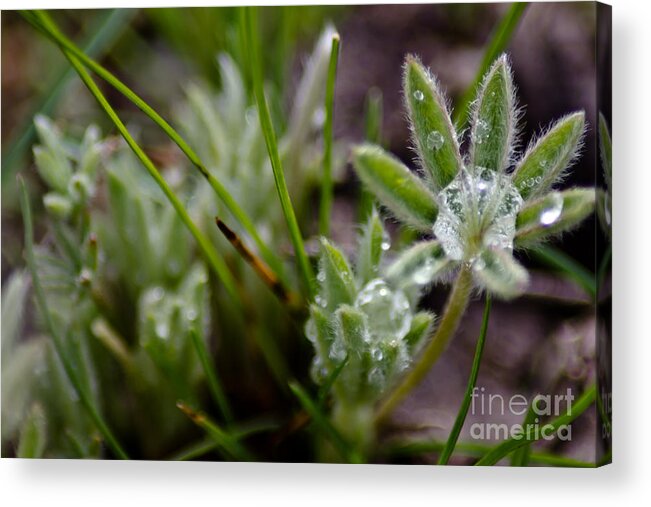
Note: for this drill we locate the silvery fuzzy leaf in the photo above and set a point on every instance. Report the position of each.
(497, 271)
(432, 130)
(494, 118)
(553, 214)
(419, 265)
(421, 327)
(546, 159)
(33, 434)
(51, 157)
(352, 334)
(373, 241)
(395, 186)
(335, 277)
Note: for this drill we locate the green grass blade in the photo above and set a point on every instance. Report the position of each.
(499, 40)
(213, 258)
(225, 442)
(321, 420)
(508, 446)
(44, 23)
(70, 368)
(326, 182)
(209, 370)
(415, 448)
(559, 260)
(102, 34)
(249, 26)
(472, 381)
(521, 457)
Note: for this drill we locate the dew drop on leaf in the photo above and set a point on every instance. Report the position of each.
(419, 95)
(388, 312)
(552, 212)
(435, 140)
(481, 132)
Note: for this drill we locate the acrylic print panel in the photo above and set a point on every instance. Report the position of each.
(342, 234)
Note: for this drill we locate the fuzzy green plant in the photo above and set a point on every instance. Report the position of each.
(364, 324)
(479, 206)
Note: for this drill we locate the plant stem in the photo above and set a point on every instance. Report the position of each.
(472, 380)
(46, 25)
(508, 446)
(249, 25)
(68, 366)
(326, 182)
(211, 376)
(498, 41)
(454, 309)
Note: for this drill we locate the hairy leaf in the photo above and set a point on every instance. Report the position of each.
(421, 326)
(419, 265)
(373, 241)
(337, 285)
(494, 119)
(432, 129)
(546, 160)
(395, 186)
(605, 150)
(500, 273)
(552, 214)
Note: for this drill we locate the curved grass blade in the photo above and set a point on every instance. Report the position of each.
(395, 186)
(321, 420)
(209, 370)
(508, 446)
(102, 34)
(42, 22)
(68, 366)
(326, 182)
(249, 26)
(555, 258)
(225, 442)
(415, 448)
(267, 276)
(521, 456)
(214, 260)
(467, 397)
(499, 40)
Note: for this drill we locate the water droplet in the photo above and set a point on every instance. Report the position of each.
(435, 140)
(423, 275)
(157, 293)
(191, 314)
(377, 354)
(376, 378)
(310, 330)
(318, 371)
(481, 132)
(319, 300)
(388, 312)
(162, 330)
(552, 211)
(386, 241)
(419, 95)
(478, 203)
(321, 276)
(318, 118)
